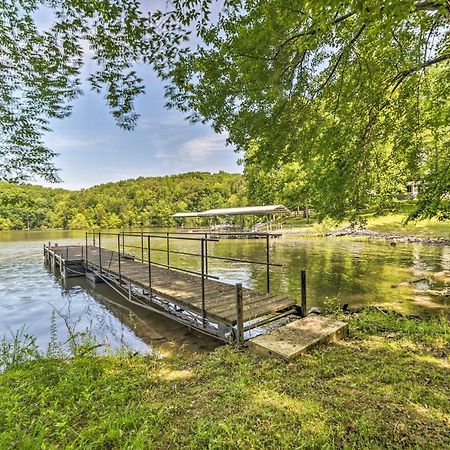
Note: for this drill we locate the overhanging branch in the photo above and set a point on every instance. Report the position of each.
(430, 6)
(400, 77)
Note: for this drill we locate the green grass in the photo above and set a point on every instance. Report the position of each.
(393, 224)
(390, 223)
(386, 386)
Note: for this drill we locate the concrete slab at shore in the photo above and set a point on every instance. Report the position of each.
(298, 337)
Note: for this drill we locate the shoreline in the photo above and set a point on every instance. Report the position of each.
(302, 232)
(365, 233)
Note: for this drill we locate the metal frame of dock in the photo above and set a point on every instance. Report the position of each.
(193, 297)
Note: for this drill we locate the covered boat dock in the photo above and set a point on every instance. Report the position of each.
(270, 212)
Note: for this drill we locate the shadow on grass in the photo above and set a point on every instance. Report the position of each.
(370, 391)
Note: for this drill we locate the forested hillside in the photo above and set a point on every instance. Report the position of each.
(129, 203)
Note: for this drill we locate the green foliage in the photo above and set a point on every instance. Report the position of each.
(352, 92)
(280, 184)
(129, 203)
(19, 349)
(384, 387)
(42, 65)
(343, 101)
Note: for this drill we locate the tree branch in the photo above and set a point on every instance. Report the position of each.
(421, 6)
(338, 60)
(429, 6)
(310, 32)
(400, 77)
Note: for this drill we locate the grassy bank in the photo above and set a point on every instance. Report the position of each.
(394, 224)
(387, 386)
(390, 223)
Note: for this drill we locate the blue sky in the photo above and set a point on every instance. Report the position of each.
(94, 150)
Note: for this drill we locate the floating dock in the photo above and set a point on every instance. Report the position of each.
(196, 299)
(219, 309)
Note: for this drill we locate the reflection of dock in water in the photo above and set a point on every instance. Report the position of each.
(158, 332)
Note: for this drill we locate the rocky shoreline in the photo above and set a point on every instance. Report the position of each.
(394, 238)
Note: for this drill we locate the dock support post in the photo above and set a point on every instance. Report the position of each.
(239, 315)
(203, 282)
(149, 267)
(118, 252)
(86, 250)
(303, 292)
(206, 254)
(168, 249)
(93, 237)
(142, 247)
(100, 252)
(267, 263)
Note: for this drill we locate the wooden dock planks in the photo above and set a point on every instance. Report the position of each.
(180, 287)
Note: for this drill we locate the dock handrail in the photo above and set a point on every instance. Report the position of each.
(202, 237)
(130, 277)
(204, 255)
(205, 234)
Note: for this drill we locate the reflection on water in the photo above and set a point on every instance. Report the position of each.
(30, 294)
(350, 271)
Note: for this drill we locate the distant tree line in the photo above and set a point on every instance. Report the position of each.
(141, 202)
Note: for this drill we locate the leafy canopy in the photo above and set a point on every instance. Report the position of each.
(40, 69)
(354, 91)
(353, 94)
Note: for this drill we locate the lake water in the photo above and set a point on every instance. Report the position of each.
(339, 270)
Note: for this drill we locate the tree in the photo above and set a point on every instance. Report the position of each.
(40, 70)
(356, 92)
(79, 222)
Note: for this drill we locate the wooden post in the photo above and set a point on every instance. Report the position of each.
(267, 264)
(142, 246)
(118, 251)
(239, 315)
(303, 292)
(149, 267)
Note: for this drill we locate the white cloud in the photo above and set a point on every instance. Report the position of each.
(196, 153)
(59, 143)
(199, 148)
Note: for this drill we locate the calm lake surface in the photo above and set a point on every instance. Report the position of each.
(339, 270)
